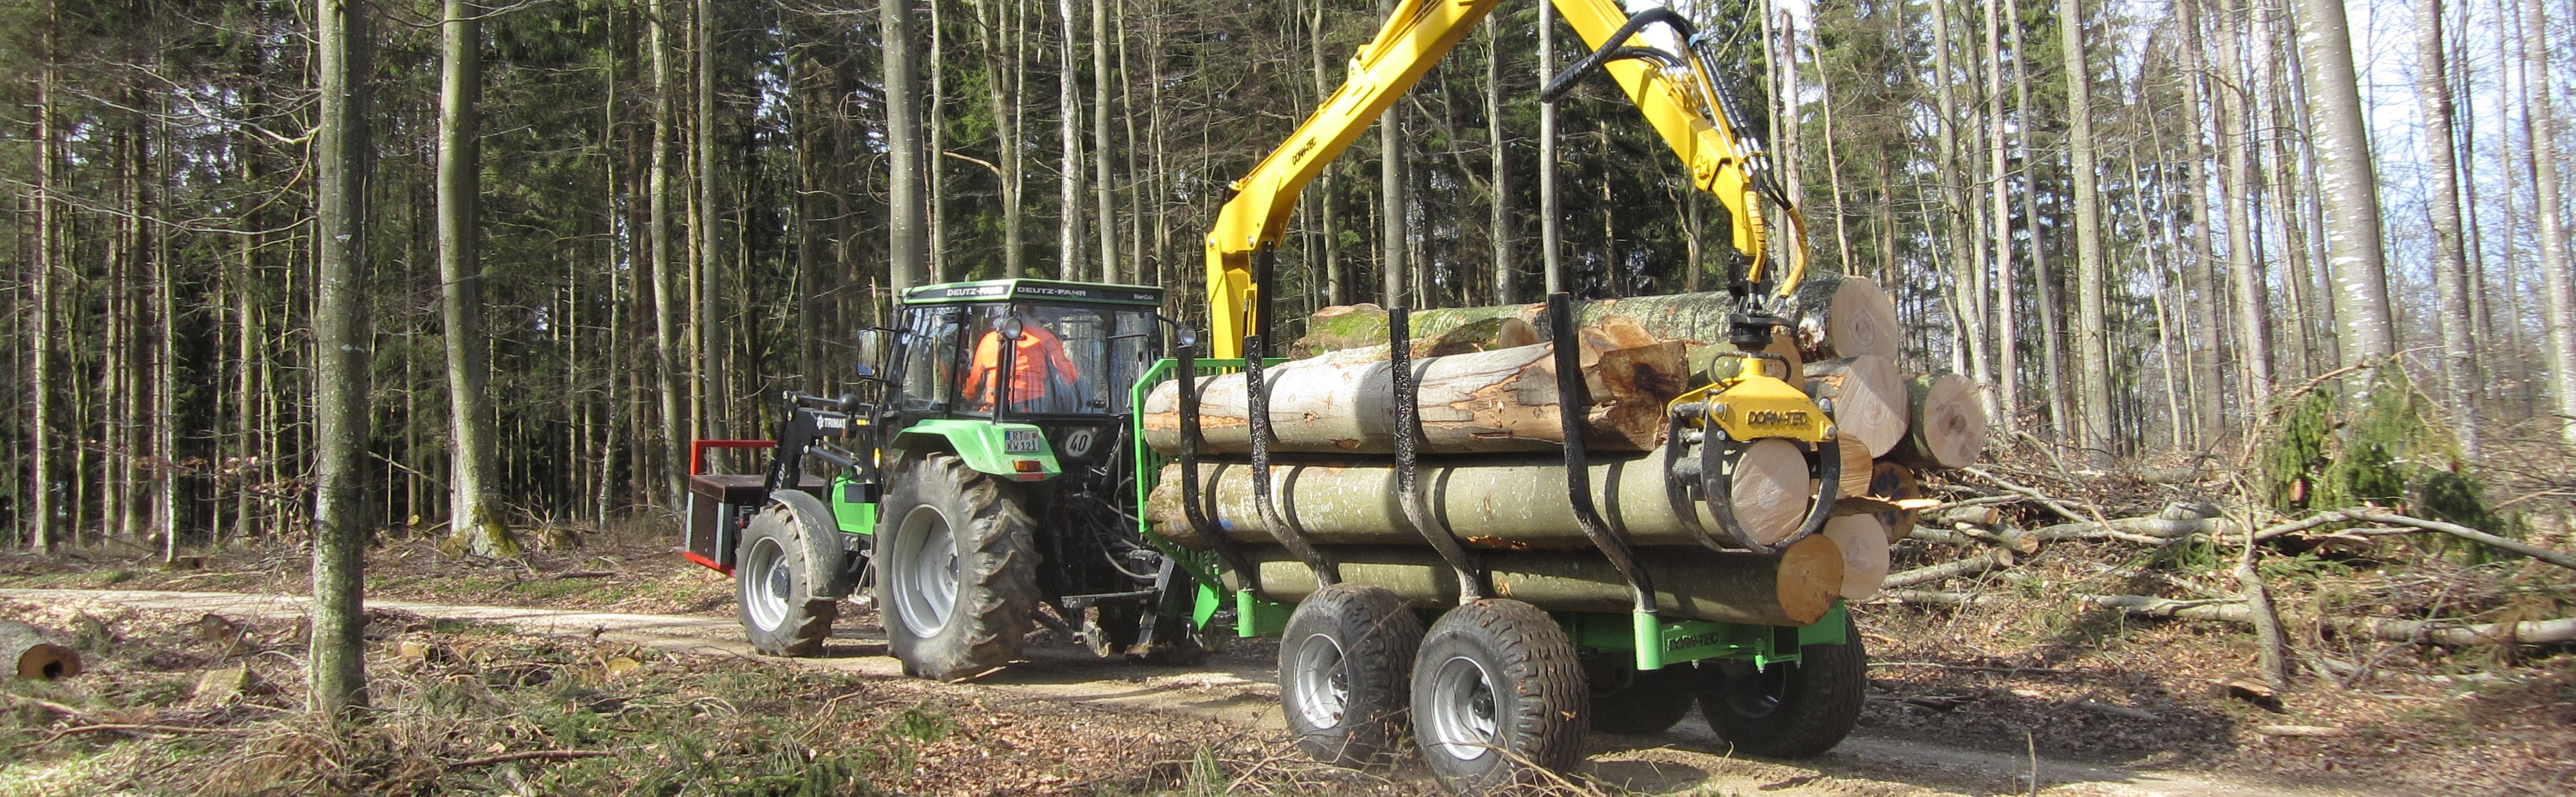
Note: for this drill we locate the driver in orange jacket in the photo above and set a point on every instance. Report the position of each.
(1038, 367)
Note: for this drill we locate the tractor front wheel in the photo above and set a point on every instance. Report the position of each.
(957, 579)
(774, 586)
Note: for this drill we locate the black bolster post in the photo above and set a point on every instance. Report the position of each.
(1248, 576)
(1408, 424)
(1571, 402)
(1257, 399)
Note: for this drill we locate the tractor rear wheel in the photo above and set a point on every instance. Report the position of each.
(957, 579)
(774, 586)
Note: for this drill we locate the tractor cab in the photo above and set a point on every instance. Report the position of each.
(1019, 348)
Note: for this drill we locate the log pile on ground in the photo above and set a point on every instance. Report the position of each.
(1490, 425)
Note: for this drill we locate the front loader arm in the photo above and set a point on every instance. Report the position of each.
(1682, 105)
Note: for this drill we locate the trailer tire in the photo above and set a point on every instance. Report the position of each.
(1497, 689)
(957, 582)
(1797, 711)
(776, 584)
(1345, 665)
(1652, 703)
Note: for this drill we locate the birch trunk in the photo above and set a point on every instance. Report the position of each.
(2560, 306)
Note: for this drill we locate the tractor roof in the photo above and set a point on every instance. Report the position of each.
(1034, 290)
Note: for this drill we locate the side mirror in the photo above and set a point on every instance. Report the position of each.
(1011, 329)
(871, 343)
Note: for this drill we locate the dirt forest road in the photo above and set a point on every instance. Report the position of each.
(1237, 689)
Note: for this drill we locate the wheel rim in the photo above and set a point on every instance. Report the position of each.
(1320, 685)
(1462, 709)
(765, 583)
(1757, 694)
(926, 566)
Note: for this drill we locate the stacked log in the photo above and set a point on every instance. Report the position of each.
(1793, 587)
(1509, 504)
(1502, 400)
(1490, 431)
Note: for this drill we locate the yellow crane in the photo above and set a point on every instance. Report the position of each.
(1672, 89)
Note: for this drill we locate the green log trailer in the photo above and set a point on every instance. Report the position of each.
(970, 521)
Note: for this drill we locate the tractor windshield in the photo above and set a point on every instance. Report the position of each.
(1069, 359)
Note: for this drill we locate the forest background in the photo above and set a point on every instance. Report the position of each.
(2136, 222)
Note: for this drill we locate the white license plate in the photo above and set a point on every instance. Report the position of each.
(1021, 441)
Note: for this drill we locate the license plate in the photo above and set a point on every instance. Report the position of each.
(1021, 441)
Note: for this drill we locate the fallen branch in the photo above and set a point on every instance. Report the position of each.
(530, 755)
(2437, 632)
(2559, 558)
(1992, 559)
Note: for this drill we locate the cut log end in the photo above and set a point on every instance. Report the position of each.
(1948, 423)
(1770, 489)
(1863, 543)
(1868, 398)
(31, 657)
(1810, 577)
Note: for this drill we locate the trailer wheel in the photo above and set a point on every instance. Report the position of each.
(774, 587)
(1497, 688)
(1650, 704)
(1343, 674)
(1792, 711)
(957, 584)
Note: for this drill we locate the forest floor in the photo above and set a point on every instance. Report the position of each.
(628, 658)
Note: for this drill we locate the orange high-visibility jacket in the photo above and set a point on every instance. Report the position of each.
(1039, 360)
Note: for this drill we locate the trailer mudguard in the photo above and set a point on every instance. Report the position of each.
(820, 538)
(1014, 451)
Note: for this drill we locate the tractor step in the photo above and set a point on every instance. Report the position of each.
(1087, 601)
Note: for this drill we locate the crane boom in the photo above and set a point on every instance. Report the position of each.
(1676, 95)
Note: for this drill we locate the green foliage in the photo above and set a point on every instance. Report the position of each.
(2394, 452)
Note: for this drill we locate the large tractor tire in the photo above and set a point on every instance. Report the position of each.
(957, 576)
(1792, 711)
(1652, 702)
(782, 593)
(1496, 690)
(1344, 673)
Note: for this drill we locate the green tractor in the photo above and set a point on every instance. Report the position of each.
(967, 488)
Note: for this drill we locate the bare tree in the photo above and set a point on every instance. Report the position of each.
(40, 328)
(665, 314)
(2450, 257)
(2350, 191)
(1550, 235)
(2560, 321)
(2093, 354)
(1391, 185)
(341, 349)
(1501, 184)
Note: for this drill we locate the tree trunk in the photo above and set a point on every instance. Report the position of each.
(27, 654)
(1391, 187)
(1501, 182)
(2450, 258)
(665, 312)
(474, 521)
(2093, 353)
(1550, 233)
(40, 330)
(2209, 388)
(706, 232)
(2560, 306)
(1110, 268)
(1999, 191)
(2350, 189)
(2253, 319)
(341, 350)
(1493, 401)
(907, 259)
(1069, 152)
